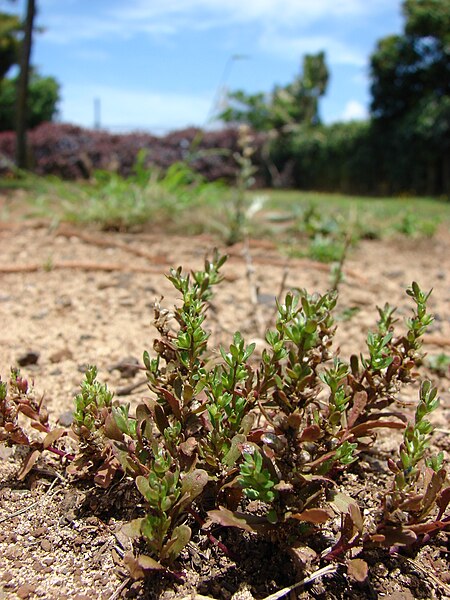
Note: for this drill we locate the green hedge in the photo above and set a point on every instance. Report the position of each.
(412, 156)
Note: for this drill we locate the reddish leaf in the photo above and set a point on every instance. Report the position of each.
(359, 404)
(28, 464)
(160, 418)
(133, 528)
(397, 536)
(429, 527)
(341, 502)
(173, 402)
(313, 515)
(369, 425)
(54, 435)
(37, 425)
(189, 446)
(443, 501)
(140, 565)
(111, 430)
(105, 473)
(433, 485)
(358, 570)
(413, 503)
(226, 518)
(310, 434)
(28, 411)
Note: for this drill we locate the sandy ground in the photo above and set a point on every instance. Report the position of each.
(78, 297)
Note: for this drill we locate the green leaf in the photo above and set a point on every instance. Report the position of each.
(179, 539)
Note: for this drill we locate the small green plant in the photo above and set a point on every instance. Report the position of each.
(223, 431)
(244, 182)
(113, 202)
(439, 364)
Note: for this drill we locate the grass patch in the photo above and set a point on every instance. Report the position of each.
(381, 216)
(179, 201)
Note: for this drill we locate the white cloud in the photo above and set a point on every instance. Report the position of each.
(337, 52)
(275, 20)
(123, 109)
(354, 111)
(236, 11)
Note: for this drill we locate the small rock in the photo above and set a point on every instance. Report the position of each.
(127, 302)
(86, 336)
(39, 531)
(46, 545)
(40, 315)
(64, 301)
(38, 567)
(66, 419)
(127, 367)
(28, 358)
(25, 590)
(60, 355)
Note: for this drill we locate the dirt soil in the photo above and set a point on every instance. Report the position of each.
(72, 297)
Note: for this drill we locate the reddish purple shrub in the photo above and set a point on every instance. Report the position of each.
(72, 152)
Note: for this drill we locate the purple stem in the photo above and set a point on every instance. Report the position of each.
(211, 538)
(61, 453)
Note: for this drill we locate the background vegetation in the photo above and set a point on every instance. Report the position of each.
(403, 148)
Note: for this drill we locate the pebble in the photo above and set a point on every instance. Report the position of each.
(25, 590)
(66, 418)
(46, 545)
(60, 355)
(30, 357)
(38, 567)
(39, 531)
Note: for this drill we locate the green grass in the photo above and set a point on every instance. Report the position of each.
(312, 224)
(408, 215)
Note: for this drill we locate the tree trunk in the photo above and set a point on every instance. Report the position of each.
(22, 90)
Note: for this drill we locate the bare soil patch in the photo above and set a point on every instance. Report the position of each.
(76, 297)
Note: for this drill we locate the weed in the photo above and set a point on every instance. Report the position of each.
(221, 432)
(244, 181)
(116, 203)
(439, 363)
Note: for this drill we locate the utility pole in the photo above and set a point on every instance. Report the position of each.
(22, 89)
(97, 113)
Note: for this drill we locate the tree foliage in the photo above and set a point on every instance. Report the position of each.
(286, 106)
(43, 92)
(407, 68)
(10, 28)
(411, 97)
(43, 97)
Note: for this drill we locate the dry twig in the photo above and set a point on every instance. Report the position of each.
(109, 243)
(30, 506)
(320, 573)
(75, 264)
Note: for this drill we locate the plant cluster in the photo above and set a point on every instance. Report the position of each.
(147, 196)
(261, 444)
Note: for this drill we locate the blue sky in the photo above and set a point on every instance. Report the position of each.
(165, 64)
